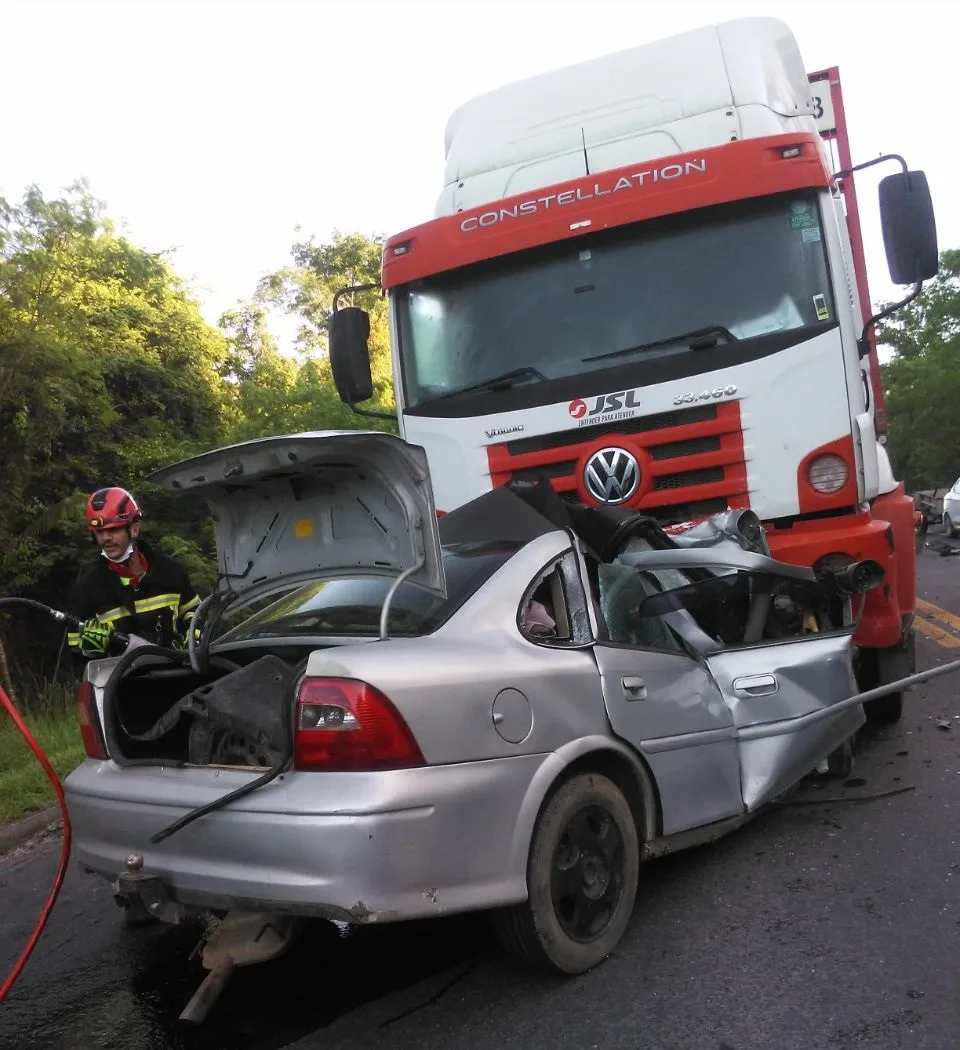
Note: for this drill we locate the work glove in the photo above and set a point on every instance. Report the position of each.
(95, 637)
(181, 641)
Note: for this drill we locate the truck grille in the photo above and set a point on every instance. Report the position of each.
(640, 425)
(691, 460)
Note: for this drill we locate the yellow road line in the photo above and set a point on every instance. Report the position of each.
(950, 619)
(938, 634)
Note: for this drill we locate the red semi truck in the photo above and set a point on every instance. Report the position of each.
(645, 281)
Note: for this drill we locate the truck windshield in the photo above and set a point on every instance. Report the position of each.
(703, 287)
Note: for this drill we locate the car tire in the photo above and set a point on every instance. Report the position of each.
(582, 874)
(948, 527)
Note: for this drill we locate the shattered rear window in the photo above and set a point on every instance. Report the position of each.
(351, 605)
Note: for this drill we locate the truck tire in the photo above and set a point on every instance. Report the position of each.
(879, 666)
(885, 710)
(582, 874)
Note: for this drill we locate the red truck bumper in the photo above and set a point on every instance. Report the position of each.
(884, 533)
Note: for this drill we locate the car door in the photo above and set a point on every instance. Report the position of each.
(663, 700)
(769, 688)
(767, 642)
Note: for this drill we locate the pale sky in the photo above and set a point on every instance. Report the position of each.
(216, 128)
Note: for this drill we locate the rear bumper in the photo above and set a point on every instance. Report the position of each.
(379, 846)
(857, 536)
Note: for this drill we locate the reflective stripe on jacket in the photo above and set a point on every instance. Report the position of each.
(159, 610)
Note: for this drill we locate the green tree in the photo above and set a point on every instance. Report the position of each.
(922, 381)
(260, 380)
(307, 289)
(107, 371)
(275, 393)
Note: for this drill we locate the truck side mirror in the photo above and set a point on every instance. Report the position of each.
(909, 227)
(348, 332)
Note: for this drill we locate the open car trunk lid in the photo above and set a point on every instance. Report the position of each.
(293, 508)
(287, 510)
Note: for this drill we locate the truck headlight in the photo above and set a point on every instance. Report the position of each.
(828, 474)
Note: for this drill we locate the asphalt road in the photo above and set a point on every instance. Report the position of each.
(828, 924)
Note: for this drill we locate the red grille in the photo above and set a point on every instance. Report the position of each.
(691, 460)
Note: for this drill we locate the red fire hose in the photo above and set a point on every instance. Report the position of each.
(8, 704)
(64, 848)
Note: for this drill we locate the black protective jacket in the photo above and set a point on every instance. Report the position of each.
(158, 610)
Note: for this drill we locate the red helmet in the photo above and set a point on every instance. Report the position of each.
(111, 508)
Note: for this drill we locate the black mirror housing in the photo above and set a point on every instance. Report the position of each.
(909, 228)
(348, 332)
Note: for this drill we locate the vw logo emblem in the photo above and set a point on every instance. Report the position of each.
(612, 475)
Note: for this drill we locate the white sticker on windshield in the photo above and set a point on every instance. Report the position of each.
(810, 233)
(820, 305)
(802, 215)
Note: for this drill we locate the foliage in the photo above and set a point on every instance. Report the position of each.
(23, 783)
(922, 381)
(308, 287)
(277, 394)
(108, 371)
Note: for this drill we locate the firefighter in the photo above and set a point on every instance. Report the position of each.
(131, 588)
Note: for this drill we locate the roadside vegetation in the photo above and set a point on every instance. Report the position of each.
(108, 370)
(23, 784)
(922, 382)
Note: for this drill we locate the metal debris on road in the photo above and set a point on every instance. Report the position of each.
(945, 550)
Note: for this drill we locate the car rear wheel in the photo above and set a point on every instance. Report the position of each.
(581, 878)
(948, 526)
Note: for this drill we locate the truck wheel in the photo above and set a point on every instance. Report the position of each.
(885, 710)
(879, 666)
(581, 879)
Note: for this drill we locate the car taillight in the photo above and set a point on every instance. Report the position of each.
(828, 474)
(343, 724)
(89, 721)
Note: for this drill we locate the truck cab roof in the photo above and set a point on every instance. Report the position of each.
(735, 80)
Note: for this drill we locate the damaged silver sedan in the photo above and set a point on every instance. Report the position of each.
(390, 716)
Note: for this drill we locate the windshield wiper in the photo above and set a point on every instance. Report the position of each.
(500, 382)
(699, 339)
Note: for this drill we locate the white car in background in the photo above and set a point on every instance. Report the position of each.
(951, 510)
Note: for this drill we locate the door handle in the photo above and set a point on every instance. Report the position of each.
(756, 685)
(634, 688)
